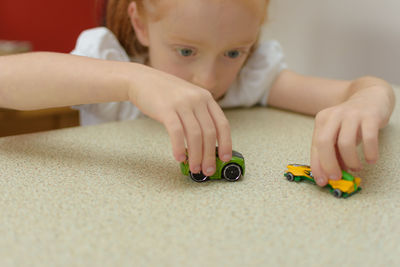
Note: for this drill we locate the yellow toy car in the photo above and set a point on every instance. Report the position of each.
(344, 187)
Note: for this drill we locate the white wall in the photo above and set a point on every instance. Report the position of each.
(341, 39)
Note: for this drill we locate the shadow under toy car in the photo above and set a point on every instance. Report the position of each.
(231, 170)
(344, 187)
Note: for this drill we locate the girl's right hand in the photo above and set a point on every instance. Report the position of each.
(189, 113)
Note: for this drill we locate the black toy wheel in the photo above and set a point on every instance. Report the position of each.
(290, 176)
(337, 193)
(198, 177)
(232, 172)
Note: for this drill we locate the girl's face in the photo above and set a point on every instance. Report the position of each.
(204, 42)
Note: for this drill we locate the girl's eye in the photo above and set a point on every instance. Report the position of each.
(232, 53)
(185, 52)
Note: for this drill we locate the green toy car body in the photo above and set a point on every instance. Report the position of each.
(231, 170)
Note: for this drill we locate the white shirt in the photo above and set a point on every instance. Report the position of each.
(249, 89)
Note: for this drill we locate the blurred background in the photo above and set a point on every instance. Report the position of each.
(338, 39)
(47, 24)
(42, 25)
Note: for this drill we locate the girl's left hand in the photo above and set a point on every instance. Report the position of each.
(339, 129)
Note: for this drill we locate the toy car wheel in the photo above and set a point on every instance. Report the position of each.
(232, 172)
(337, 193)
(198, 177)
(290, 176)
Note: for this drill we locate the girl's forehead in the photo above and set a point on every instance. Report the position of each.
(213, 22)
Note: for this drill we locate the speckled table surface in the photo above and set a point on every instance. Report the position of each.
(112, 195)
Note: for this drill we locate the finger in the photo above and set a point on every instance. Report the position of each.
(347, 144)
(316, 169)
(176, 133)
(325, 140)
(193, 138)
(209, 139)
(370, 132)
(342, 165)
(223, 131)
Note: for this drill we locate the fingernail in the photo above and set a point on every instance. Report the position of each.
(334, 177)
(210, 170)
(355, 170)
(181, 158)
(196, 169)
(226, 157)
(320, 180)
(371, 161)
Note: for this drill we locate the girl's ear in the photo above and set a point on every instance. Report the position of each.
(139, 24)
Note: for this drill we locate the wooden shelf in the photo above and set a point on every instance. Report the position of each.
(13, 122)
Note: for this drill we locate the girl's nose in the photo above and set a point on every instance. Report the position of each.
(205, 78)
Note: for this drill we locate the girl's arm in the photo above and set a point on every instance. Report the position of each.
(188, 112)
(306, 94)
(43, 80)
(346, 113)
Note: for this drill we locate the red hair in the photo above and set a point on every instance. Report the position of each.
(118, 21)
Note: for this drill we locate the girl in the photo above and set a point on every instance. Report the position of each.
(179, 62)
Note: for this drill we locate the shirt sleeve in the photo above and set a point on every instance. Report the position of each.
(256, 77)
(102, 44)
(99, 43)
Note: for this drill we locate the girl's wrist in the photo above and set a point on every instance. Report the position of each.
(129, 78)
(368, 84)
(377, 97)
(135, 77)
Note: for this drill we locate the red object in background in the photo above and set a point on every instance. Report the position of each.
(50, 25)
